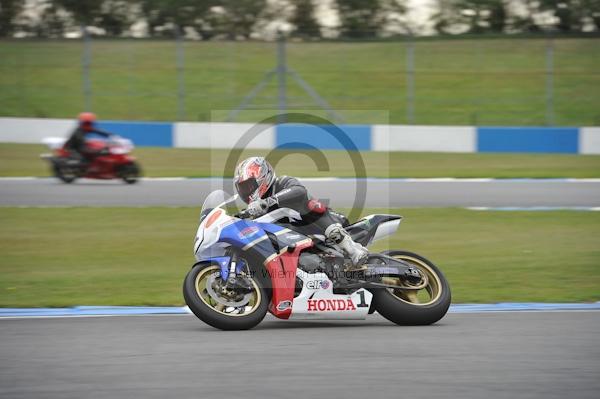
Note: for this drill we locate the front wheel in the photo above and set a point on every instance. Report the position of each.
(130, 172)
(210, 299)
(422, 303)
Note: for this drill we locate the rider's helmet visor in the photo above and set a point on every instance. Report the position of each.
(246, 188)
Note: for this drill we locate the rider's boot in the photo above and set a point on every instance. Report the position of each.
(357, 253)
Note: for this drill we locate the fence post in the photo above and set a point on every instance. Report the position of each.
(550, 82)
(476, 100)
(281, 78)
(410, 81)
(21, 84)
(180, 75)
(85, 69)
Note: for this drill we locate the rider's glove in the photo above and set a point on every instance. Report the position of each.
(257, 208)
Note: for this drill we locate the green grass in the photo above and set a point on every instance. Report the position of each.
(483, 82)
(23, 160)
(139, 256)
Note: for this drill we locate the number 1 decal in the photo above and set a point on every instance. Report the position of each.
(363, 303)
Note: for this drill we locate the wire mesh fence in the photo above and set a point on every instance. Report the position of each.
(487, 81)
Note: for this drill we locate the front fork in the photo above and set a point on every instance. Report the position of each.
(231, 267)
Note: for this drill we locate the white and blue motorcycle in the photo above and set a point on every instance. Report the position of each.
(245, 268)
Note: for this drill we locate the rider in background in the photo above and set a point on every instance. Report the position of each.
(259, 187)
(85, 127)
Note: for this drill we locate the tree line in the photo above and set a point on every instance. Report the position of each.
(503, 16)
(242, 19)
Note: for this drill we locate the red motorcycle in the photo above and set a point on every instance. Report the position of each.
(101, 159)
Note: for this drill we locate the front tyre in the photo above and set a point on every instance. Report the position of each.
(422, 306)
(130, 172)
(210, 300)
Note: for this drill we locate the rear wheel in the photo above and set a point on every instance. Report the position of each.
(212, 302)
(419, 304)
(64, 171)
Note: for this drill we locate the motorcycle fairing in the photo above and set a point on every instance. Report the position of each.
(206, 242)
(250, 236)
(262, 238)
(317, 300)
(285, 238)
(244, 233)
(282, 268)
(373, 227)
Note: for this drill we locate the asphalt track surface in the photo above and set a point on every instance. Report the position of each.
(340, 192)
(476, 355)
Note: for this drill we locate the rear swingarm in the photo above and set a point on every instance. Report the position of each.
(385, 266)
(381, 268)
(373, 284)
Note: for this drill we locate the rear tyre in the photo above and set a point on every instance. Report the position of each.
(130, 172)
(201, 290)
(64, 172)
(415, 307)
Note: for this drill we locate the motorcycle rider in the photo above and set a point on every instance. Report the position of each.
(76, 142)
(259, 187)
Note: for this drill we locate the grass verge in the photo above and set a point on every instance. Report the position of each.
(23, 160)
(139, 256)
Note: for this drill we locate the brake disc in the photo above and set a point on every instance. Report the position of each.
(221, 299)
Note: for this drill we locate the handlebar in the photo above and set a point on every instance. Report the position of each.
(243, 214)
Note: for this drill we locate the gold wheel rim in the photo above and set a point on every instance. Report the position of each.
(433, 289)
(200, 286)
